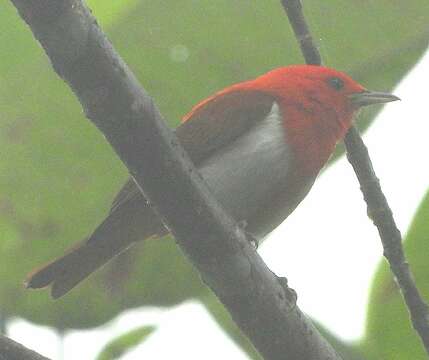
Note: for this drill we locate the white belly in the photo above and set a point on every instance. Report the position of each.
(244, 174)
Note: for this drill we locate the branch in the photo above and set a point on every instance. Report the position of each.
(262, 305)
(11, 350)
(293, 9)
(382, 217)
(378, 208)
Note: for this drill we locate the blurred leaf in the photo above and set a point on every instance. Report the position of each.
(124, 343)
(223, 318)
(108, 12)
(60, 175)
(389, 333)
(396, 60)
(157, 273)
(346, 350)
(53, 192)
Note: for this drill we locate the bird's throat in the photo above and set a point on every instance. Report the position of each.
(311, 138)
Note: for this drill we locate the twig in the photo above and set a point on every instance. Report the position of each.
(296, 18)
(380, 213)
(116, 103)
(11, 350)
(378, 208)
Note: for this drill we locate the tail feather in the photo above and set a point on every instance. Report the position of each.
(129, 223)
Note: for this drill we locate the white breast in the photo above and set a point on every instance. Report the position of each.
(245, 172)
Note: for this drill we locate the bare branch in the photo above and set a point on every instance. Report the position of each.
(261, 304)
(296, 18)
(11, 350)
(382, 217)
(378, 208)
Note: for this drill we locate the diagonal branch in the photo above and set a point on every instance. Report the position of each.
(262, 306)
(382, 217)
(11, 350)
(378, 208)
(293, 9)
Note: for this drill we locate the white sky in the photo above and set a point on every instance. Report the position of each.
(327, 248)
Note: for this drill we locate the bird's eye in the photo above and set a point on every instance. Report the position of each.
(336, 83)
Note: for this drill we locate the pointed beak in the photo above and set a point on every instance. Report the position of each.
(367, 97)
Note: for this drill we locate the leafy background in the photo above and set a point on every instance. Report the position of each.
(58, 175)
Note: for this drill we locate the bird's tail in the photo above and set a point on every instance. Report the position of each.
(125, 225)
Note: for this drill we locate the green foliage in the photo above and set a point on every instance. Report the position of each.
(347, 351)
(223, 318)
(389, 333)
(124, 343)
(59, 174)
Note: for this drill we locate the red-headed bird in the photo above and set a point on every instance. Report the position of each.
(258, 144)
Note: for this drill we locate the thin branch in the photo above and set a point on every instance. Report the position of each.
(382, 217)
(262, 306)
(293, 9)
(378, 208)
(11, 350)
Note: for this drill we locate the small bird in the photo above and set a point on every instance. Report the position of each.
(258, 144)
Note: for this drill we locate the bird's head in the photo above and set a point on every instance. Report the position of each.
(318, 104)
(320, 89)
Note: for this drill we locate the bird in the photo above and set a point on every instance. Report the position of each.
(259, 145)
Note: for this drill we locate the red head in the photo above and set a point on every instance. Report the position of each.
(318, 105)
(313, 89)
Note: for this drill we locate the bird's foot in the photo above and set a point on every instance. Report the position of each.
(290, 294)
(249, 236)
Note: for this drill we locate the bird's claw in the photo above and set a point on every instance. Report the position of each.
(249, 236)
(289, 293)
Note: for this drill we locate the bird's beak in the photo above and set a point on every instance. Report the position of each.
(367, 97)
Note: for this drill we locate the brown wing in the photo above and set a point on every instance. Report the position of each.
(211, 125)
(220, 120)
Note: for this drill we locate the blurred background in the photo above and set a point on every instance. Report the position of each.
(58, 176)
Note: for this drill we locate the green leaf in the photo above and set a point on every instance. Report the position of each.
(349, 351)
(124, 343)
(59, 175)
(389, 333)
(346, 350)
(223, 318)
(56, 185)
(109, 12)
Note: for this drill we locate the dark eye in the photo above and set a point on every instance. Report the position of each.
(336, 83)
